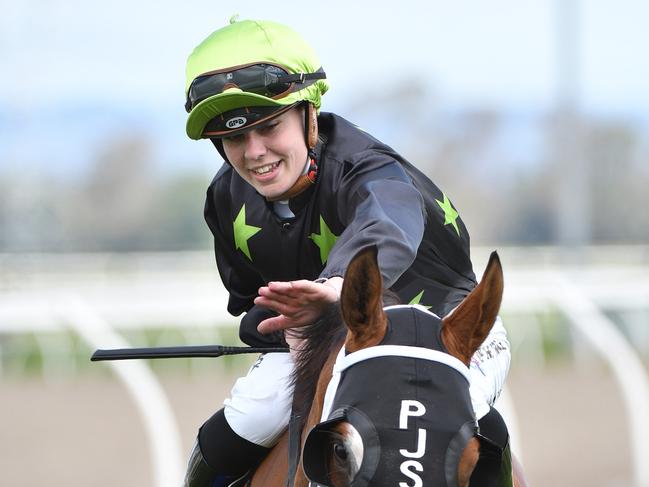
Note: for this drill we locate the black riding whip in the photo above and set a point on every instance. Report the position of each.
(188, 351)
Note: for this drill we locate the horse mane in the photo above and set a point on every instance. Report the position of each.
(319, 341)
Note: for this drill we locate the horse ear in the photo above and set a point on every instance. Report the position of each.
(361, 301)
(468, 325)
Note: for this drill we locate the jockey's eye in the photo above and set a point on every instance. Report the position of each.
(269, 127)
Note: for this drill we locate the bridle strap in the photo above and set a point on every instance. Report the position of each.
(294, 441)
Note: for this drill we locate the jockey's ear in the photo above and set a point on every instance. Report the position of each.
(361, 301)
(465, 329)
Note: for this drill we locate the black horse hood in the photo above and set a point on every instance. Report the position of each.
(409, 402)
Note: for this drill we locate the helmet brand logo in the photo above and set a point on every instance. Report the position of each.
(235, 122)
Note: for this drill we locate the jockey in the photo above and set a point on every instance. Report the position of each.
(301, 193)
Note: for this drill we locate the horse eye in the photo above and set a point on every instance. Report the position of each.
(340, 451)
(346, 453)
(341, 466)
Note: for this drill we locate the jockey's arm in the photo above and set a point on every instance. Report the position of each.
(381, 206)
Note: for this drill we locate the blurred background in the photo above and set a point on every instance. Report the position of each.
(530, 115)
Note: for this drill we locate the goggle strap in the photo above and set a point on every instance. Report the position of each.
(301, 77)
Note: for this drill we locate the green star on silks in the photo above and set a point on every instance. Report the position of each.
(325, 240)
(450, 215)
(243, 232)
(417, 300)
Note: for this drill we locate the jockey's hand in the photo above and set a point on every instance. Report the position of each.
(298, 303)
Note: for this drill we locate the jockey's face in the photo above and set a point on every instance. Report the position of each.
(272, 156)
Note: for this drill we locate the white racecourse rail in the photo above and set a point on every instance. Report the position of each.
(98, 295)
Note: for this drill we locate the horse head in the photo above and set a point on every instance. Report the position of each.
(397, 410)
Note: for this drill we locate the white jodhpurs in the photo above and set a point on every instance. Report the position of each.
(489, 368)
(259, 408)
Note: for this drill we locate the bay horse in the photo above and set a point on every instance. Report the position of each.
(374, 426)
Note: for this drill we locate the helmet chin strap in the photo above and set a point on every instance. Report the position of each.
(304, 182)
(310, 128)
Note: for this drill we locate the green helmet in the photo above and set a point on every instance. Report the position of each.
(246, 73)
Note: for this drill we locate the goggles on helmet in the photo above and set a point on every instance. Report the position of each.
(269, 80)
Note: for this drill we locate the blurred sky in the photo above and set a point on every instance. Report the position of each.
(74, 71)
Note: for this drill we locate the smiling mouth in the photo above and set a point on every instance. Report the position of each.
(265, 169)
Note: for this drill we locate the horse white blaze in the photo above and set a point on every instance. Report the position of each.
(354, 445)
(409, 409)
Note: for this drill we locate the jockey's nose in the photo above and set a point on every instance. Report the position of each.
(255, 148)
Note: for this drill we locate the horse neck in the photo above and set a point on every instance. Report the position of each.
(315, 412)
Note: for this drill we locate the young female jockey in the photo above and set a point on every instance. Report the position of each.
(301, 193)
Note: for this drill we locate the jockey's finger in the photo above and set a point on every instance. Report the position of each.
(270, 325)
(276, 323)
(280, 307)
(279, 300)
(308, 290)
(299, 298)
(277, 296)
(294, 288)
